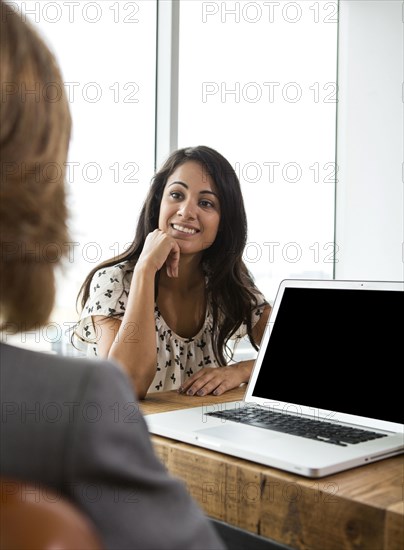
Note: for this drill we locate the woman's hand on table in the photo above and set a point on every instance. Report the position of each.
(218, 380)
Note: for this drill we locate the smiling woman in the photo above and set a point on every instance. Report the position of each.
(190, 208)
(167, 308)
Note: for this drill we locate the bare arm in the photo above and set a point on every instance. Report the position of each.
(222, 379)
(131, 341)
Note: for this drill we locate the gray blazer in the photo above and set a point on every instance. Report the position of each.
(75, 426)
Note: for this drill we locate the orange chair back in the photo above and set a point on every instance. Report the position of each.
(33, 517)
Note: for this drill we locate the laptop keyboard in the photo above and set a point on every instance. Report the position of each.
(319, 430)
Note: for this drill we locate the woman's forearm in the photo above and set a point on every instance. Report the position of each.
(135, 343)
(134, 346)
(245, 369)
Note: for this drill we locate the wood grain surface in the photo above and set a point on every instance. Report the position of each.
(361, 508)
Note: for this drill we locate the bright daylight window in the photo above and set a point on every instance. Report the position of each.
(257, 82)
(107, 53)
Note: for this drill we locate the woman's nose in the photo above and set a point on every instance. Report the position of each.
(187, 210)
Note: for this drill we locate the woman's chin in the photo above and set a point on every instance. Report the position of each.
(187, 249)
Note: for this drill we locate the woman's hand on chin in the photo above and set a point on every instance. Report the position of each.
(160, 249)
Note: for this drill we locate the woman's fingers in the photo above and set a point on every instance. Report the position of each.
(159, 249)
(173, 261)
(212, 380)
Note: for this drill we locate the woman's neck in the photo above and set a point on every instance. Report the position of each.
(190, 275)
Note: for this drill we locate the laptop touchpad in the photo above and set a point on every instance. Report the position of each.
(242, 436)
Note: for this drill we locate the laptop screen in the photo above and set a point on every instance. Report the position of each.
(337, 349)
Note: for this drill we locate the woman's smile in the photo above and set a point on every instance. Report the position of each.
(190, 208)
(184, 229)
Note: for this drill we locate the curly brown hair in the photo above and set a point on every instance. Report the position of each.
(35, 128)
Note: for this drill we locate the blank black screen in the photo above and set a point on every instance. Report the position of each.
(339, 350)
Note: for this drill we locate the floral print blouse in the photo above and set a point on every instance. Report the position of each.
(177, 357)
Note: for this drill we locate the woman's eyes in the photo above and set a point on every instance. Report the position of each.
(206, 204)
(176, 195)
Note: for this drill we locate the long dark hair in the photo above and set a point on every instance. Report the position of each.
(231, 289)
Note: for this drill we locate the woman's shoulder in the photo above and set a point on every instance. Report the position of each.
(117, 274)
(110, 283)
(259, 297)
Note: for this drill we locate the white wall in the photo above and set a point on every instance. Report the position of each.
(369, 196)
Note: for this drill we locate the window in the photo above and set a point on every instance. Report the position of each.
(107, 53)
(257, 82)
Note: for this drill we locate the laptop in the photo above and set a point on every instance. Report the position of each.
(325, 392)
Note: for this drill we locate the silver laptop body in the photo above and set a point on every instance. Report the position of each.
(332, 352)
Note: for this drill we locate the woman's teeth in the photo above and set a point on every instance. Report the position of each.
(184, 229)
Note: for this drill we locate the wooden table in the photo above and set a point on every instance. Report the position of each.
(360, 508)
